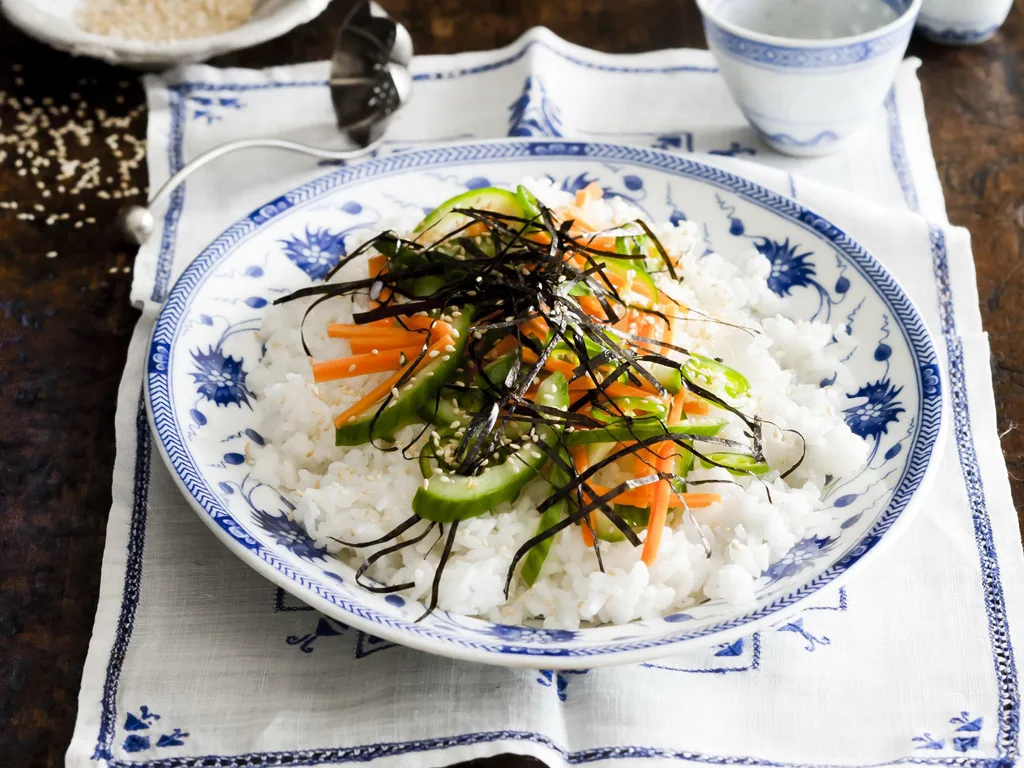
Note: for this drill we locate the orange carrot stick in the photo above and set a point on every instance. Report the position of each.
(591, 306)
(381, 390)
(436, 327)
(351, 331)
(366, 346)
(662, 490)
(590, 192)
(696, 407)
(536, 326)
(361, 365)
(582, 464)
(635, 499)
(378, 264)
(628, 390)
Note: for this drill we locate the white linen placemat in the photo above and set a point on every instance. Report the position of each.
(196, 661)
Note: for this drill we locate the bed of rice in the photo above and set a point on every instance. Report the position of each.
(360, 493)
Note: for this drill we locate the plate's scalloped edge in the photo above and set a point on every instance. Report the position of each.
(920, 467)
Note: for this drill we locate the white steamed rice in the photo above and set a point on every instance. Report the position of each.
(360, 493)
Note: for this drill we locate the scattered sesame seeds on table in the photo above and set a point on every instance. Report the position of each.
(72, 151)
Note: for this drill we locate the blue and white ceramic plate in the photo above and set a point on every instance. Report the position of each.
(201, 351)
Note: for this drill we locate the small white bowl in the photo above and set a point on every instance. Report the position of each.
(962, 22)
(808, 73)
(55, 22)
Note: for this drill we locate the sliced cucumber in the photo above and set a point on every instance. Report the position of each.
(736, 463)
(644, 429)
(442, 221)
(717, 377)
(534, 560)
(635, 517)
(670, 378)
(447, 410)
(531, 205)
(418, 393)
(450, 497)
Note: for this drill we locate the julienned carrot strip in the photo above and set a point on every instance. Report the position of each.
(378, 265)
(537, 327)
(662, 489)
(376, 333)
(381, 390)
(592, 307)
(695, 500)
(560, 366)
(505, 346)
(424, 322)
(635, 499)
(360, 365)
(582, 464)
(644, 463)
(366, 346)
(589, 193)
(696, 407)
(628, 390)
(621, 282)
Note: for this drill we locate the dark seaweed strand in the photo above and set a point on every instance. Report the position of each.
(445, 554)
(638, 445)
(395, 532)
(581, 488)
(368, 562)
(803, 449)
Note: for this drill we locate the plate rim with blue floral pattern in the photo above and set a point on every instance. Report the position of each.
(268, 542)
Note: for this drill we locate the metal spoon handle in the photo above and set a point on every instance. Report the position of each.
(136, 222)
(233, 146)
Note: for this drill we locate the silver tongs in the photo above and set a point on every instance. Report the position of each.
(369, 83)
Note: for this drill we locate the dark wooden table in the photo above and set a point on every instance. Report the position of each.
(69, 154)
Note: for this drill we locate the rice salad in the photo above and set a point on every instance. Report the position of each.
(747, 515)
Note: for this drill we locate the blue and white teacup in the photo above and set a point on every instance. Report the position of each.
(808, 73)
(962, 22)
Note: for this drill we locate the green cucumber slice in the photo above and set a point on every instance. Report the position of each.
(737, 463)
(442, 221)
(643, 429)
(634, 517)
(715, 376)
(534, 560)
(449, 497)
(670, 378)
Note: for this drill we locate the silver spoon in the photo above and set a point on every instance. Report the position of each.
(369, 83)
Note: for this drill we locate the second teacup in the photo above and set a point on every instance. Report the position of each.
(962, 22)
(808, 73)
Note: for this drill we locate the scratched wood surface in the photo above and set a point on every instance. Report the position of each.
(70, 153)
